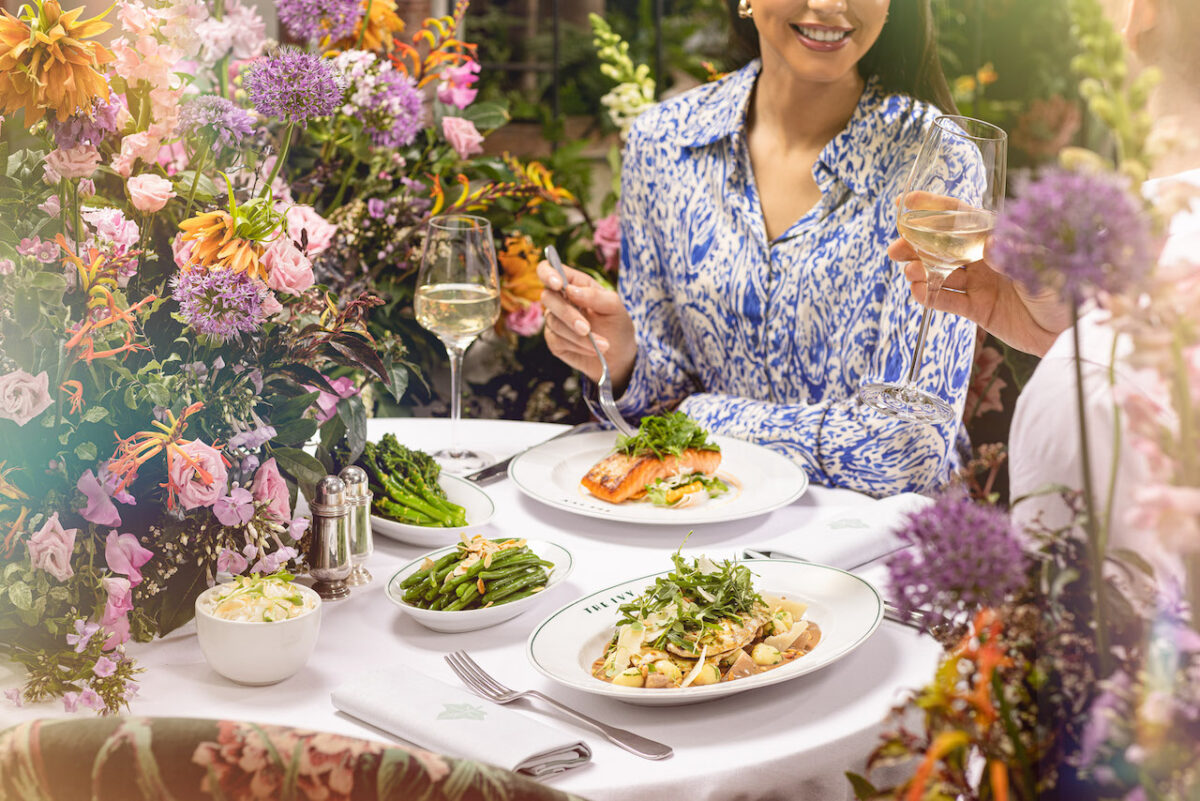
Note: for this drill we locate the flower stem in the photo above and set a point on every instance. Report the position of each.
(362, 29)
(195, 180)
(283, 151)
(1095, 546)
(337, 200)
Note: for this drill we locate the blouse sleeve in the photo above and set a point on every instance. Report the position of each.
(663, 373)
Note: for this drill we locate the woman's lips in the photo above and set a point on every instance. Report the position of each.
(821, 39)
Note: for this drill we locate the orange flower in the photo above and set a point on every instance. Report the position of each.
(136, 450)
(217, 245)
(519, 284)
(382, 26)
(45, 64)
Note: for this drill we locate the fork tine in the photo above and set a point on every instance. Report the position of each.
(496, 687)
(463, 675)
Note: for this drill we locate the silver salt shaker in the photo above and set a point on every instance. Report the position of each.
(358, 498)
(329, 550)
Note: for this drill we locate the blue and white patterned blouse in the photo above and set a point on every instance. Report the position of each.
(770, 341)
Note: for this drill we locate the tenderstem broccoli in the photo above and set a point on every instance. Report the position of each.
(405, 484)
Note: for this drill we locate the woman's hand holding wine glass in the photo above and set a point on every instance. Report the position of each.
(947, 224)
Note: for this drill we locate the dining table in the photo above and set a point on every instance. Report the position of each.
(792, 740)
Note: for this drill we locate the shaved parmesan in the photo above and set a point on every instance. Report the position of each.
(782, 602)
(784, 641)
(694, 672)
(706, 566)
(629, 642)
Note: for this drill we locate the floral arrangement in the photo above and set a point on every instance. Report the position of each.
(1071, 666)
(204, 239)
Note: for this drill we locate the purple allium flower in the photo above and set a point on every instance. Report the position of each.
(214, 118)
(293, 85)
(219, 303)
(965, 556)
(1081, 231)
(313, 20)
(87, 129)
(393, 112)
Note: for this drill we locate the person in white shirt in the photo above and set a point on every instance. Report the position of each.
(1044, 447)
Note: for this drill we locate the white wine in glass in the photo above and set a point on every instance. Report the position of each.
(953, 194)
(457, 299)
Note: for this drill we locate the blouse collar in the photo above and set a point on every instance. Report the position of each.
(722, 114)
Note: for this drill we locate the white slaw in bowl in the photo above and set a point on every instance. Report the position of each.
(258, 599)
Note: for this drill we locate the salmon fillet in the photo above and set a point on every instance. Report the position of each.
(619, 477)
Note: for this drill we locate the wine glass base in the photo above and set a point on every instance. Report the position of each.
(458, 461)
(906, 403)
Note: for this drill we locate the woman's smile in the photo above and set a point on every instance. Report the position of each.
(822, 38)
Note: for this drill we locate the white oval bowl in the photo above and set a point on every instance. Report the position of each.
(475, 502)
(846, 607)
(257, 653)
(473, 619)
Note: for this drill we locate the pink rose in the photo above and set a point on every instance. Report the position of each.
(305, 225)
(149, 192)
(140, 145)
(78, 162)
(526, 322)
(125, 555)
(120, 598)
(269, 486)
(23, 396)
(181, 251)
(462, 136)
(271, 305)
(192, 487)
(50, 548)
(607, 240)
(288, 270)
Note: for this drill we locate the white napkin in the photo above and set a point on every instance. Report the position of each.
(452, 721)
(849, 539)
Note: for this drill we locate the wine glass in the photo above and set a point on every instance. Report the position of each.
(458, 298)
(953, 194)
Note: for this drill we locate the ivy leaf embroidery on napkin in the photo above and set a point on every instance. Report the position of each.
(850, 522)
(462, 712)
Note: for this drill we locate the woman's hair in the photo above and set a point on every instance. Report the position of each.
(904, 58)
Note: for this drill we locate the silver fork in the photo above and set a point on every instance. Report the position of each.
(607, 404)
(485, 686)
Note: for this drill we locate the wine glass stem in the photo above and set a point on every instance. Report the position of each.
(456, 358)
(934, 278)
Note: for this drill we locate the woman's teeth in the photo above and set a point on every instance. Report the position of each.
(821, 34)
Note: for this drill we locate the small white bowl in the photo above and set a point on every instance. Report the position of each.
(472, 619)
(257, 653)
(476, 503)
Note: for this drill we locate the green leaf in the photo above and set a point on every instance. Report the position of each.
(487, 116)
(95, 414)
(179, 605)
(863, 789)
(86, 451)
(304, 468)
(354, 413)
(398, 374)
(21, 596)
(50, 282)
(295, 432)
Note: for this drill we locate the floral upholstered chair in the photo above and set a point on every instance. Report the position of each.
(183, 759)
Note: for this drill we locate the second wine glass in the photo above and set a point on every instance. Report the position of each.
(953, 194)
(457, 299)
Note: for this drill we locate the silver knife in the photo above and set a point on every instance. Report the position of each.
(494, 472)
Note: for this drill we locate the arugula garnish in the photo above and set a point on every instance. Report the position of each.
(666, 435)
(693, 597)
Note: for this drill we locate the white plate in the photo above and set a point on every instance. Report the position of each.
(472, 619)
(847, 608)
(474, 501)
(551, 473)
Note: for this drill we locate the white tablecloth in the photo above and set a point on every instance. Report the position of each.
(792, 740)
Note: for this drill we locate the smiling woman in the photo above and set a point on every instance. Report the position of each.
(756, 294)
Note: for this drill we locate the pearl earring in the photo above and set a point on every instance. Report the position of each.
(744, 10)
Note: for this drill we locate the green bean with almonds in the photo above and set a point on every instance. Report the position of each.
(478, 573)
